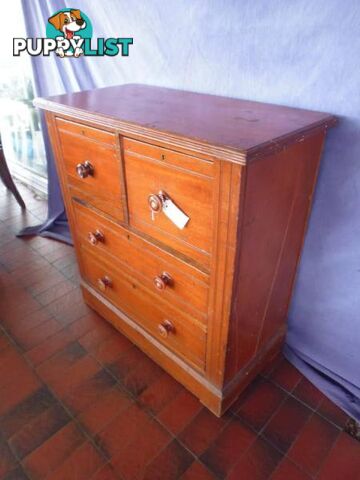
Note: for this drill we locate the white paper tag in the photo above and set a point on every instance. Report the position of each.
(174, 214)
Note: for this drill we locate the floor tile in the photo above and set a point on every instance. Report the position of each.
(132, 457)
(197, 471)
(170, 464)
(7, 459)
(100, 413)
(285, 425)
(145, 373)
(49, 347)
(109, 350)
(343, 461)
(53, 452)
(122, 430)
(128, 361)
(28, 339)
(42, 280)
(202, 431)
(80, 465)
(88, 391)
(257, 463)
(308, 393)
(258, 403)
(16, 391)
(286, 375)
(159, 393)
(228, 447)
(332, 413)
(25, 411)
(179, 412)
(106, 472)
(37, 431)
(54, 292)
(287, 470)
(12, 365)
(313, 444)
(26, 322)
(16, 474)
(56, 367)
(81, 371)
(69, 307)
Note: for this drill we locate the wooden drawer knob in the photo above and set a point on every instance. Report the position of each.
(162, 281)
(156, 201)
(95, 237)
(165, 328)
(104, 283)
(84, 169)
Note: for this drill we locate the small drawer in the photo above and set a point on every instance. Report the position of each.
(164, 274)
(170, 157)
(187, 181)
(93, 166)
(175, 330)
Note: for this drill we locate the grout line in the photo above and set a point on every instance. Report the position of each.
(315, 410)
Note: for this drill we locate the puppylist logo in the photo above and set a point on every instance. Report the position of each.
(69, 34)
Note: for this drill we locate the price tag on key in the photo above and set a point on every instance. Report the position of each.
(177, 216)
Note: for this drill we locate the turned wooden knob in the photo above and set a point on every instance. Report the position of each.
(165, 328)
(161, 281)
(95, 237)
(156, 201)
(103, 283)
(84, 169)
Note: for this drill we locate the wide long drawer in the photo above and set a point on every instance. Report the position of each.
(92, 164)
(166, 275)
(177, 331)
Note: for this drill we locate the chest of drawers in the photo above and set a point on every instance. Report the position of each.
(208, 301)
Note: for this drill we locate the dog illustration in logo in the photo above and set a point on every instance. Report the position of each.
(68, 23)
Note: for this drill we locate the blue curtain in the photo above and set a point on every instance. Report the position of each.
(302, 53)
(53, 76)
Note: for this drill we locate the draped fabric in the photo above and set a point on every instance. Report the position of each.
(302, 53)
(51, 76)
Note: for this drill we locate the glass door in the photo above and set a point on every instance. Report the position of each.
(20, 126)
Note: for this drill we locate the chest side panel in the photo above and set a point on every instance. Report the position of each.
(277, 202)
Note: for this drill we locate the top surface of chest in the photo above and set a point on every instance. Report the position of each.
(234, 124)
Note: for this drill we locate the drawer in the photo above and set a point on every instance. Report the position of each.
(177, 331)
(187, 181)
(93, 166)
(167, 276)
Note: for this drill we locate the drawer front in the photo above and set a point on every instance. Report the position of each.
(187, 181)
(178, 332)
(93, 166)
(168, 277)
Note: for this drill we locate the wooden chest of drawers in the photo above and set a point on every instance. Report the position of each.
(208, 301)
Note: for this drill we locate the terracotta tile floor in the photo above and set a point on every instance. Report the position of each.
(79, 401)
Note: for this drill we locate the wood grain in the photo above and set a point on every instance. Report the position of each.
(240, 125)
(189, 287)
(190, 191)
(130, 296)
